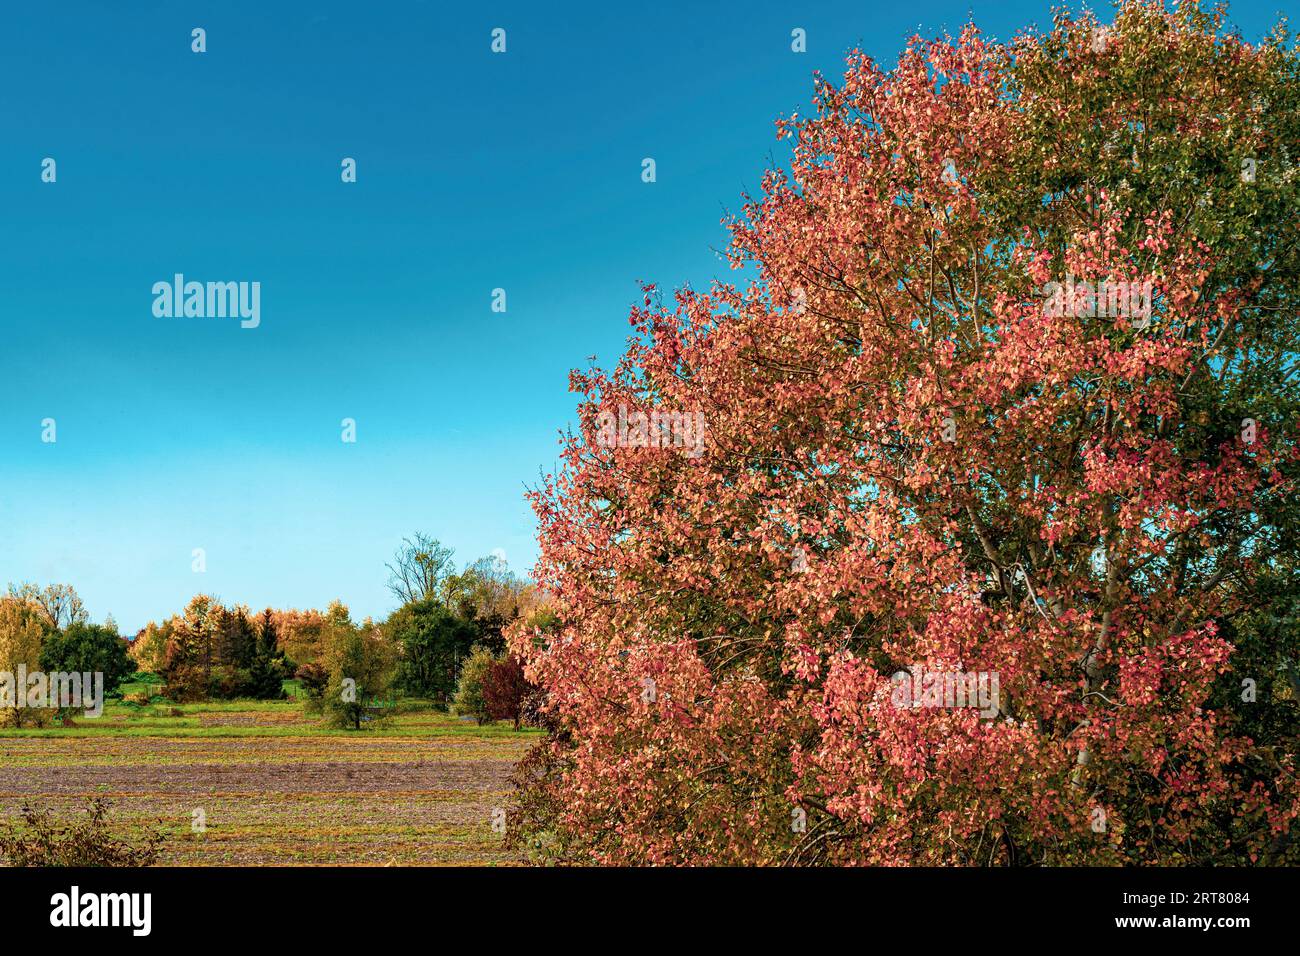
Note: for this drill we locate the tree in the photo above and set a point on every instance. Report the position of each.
(22, 630)
(469, 700)
(927, 449)
(88, 648)
(431, 642)
(59, 604)
(419, 567)
(504, 690)
(236, 639)
(268, 642)
(149, 649)
(360, 662)
(188, 659)
(489, 596)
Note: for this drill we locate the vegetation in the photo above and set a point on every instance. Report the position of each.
(935, 445)
(469, 700)
(42, 841)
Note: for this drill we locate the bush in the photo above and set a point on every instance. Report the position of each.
(469, 700)
(186, 684)
(41, 841)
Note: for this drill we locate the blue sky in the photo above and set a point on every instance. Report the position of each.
(475, 171)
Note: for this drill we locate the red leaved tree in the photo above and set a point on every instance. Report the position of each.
(505, 689)
(1006, 403)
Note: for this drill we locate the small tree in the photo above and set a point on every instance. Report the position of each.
(21, 632)
(149, 649)
(504, 690)
(469, 700)
(361, 662)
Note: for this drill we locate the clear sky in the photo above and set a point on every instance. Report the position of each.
(475, 171)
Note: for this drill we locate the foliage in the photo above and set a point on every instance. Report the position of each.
(918, 456)
(432, 641)
(361, 661)
(314, 677)
(469, 700)
(149, 649)
(88, 648)
(22, 630)
(42, 841)
(58, 604)
(504, 690)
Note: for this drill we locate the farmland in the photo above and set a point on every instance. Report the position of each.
(275, 786)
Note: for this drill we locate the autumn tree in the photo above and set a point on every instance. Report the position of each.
(149, 648)
(59, 604)
(360, 661)
(504, 690)
(188, 659)
(1008, 390)
(23, 628)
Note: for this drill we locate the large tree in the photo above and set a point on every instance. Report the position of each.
(88, 648)
(936, 440)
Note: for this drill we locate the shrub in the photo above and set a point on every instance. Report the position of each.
(469, 700)
(43, 841)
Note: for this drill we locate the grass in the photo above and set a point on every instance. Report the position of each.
(274, 785)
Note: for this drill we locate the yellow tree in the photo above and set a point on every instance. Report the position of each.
(21, 633)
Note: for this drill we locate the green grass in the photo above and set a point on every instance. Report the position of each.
(412, 717)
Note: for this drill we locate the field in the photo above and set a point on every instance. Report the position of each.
(273, 785)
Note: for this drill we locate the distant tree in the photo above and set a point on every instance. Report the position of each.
(419, 568)
(236, 639)
(431, 642)
(299, 634)
(267, 635)
(361, 662)
(88, 648)
(149, 649)
(488, 595)
(22, 630)
(314, 679)
(187, 662)
(59, 604)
